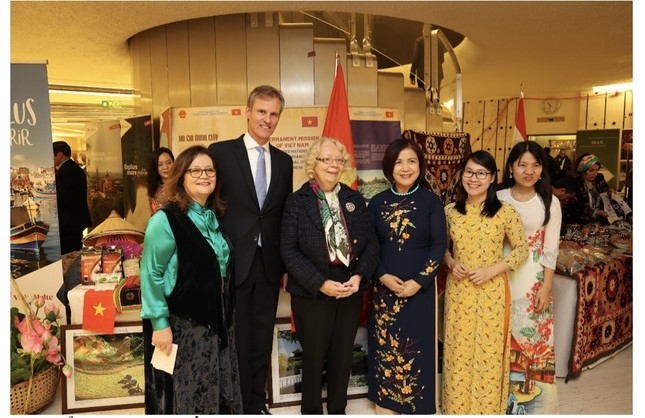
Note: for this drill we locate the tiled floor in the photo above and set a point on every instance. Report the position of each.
(605, 389)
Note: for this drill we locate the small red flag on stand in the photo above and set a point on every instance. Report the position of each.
(99, 311)
(337, 124)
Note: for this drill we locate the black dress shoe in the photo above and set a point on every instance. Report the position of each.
(265, 411)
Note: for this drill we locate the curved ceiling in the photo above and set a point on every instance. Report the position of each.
(550, 47)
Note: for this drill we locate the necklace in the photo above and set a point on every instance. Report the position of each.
(404, 194)
(522, 198)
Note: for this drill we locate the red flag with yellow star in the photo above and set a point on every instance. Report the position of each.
(99, 311)
(337, 123)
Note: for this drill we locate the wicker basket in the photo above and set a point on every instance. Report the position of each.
(43, 390)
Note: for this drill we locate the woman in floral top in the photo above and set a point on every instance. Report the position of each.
(477, 333)
(411, 226)
(526, 186)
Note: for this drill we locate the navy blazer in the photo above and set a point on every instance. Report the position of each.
(304, 248)
(243, 220)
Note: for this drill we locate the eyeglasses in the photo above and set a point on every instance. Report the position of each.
(329, 160)
(481, 175)
(197, 172)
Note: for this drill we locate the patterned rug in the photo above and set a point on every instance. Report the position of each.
(604, 313)
(446, 153)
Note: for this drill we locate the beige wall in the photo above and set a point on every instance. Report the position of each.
(218, 60)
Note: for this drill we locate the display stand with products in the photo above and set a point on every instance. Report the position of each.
(593, 297)
(110, 261)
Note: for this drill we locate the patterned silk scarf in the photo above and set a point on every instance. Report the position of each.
(335, 232)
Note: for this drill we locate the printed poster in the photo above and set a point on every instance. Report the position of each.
(202, 125)
(605, 144)
(136, 154)
(104, 169)
(372, 130)
(35, 258)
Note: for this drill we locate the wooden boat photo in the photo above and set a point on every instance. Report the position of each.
(46, 192)
(27, 233)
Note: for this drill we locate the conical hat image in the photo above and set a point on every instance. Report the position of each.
(113, 228)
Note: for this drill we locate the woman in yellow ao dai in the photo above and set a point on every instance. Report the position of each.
(477, 331)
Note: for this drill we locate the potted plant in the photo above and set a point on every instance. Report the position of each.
(36, 359)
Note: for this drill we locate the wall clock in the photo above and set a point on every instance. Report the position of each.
(550, 105)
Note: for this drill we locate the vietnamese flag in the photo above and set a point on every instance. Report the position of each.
(519, 134)
(337, 125)
(99, 311)
(310, 121)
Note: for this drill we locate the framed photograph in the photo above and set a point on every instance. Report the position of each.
(285, 374)
(108, 368)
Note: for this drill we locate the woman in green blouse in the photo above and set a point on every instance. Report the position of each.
(186, 295)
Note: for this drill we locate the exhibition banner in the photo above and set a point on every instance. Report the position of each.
(136, 154)
(605, 144)
(34, 240)
(372, 130)
(163, 139)
(298, 128)
(190, 126)
(104, 169)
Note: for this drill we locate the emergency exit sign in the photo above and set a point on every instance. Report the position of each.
(111, 104)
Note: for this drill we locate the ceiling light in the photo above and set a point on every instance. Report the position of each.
(91, 91)
(611, 88)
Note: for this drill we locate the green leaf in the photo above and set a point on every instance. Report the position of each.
(20, 370)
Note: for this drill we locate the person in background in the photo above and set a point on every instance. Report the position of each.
(187, 295)
(525, 185)
(477, 334)
(331, 251)
(552, 166)
(564, 163)
(73, 217)
(71, 197)
(158, 173)
(411, 227)
(564, 189)
(587, 206)
(256, 180)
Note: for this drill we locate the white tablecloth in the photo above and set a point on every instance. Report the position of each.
(76, 297)
(565, 299)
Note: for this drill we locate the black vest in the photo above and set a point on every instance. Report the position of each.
(199, 294)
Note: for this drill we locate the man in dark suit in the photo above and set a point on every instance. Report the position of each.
(254, 230)
(564, 164)
(71, 196)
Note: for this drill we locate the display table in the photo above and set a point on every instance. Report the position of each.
(76, 297)
(593, 313)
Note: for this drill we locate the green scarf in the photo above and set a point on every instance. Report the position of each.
(332, 219)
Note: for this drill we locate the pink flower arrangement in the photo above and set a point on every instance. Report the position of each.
(35, 341)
